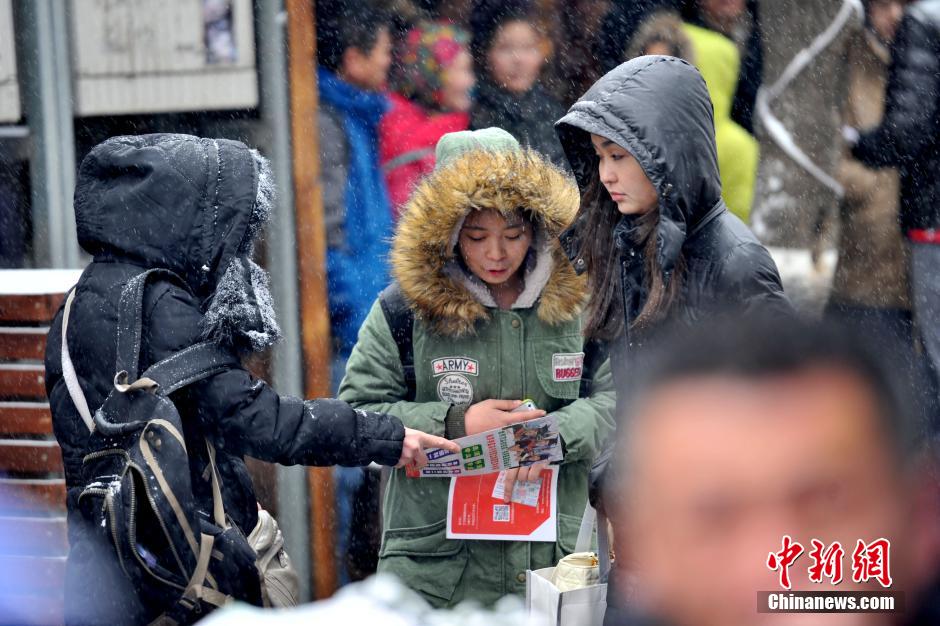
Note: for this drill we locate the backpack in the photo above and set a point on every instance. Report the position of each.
(137, 494)
(401, 319)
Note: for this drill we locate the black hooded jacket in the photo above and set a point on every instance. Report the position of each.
(527, 117)
(659, 110)
(909, 135)
(185, 204)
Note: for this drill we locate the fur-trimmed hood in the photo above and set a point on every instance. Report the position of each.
(424, 259)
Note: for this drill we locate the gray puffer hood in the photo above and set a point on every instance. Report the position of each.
(192, 205)
(657, 108)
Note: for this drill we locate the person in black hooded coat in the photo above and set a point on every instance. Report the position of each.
(522, 106)
(193, 206)
(620, 25)
(687, 258)
(656, 110)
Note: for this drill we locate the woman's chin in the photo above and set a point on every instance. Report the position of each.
(629, 208)
(493, 281)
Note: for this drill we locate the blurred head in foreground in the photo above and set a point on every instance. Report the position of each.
(744, 433)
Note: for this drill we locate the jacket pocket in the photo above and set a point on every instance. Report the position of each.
(559, 364)
(424, 559)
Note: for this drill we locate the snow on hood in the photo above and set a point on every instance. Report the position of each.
(191, 205)
(163, 200)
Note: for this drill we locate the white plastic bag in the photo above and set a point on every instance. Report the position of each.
(549, 606)
(562, 605)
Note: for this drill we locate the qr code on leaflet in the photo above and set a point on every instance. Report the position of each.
(501, 512)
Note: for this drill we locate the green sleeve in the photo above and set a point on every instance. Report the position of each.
(375, 380)
(587, 423)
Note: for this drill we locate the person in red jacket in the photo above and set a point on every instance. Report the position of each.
(430, 96)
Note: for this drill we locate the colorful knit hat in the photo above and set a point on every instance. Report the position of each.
(425, 53)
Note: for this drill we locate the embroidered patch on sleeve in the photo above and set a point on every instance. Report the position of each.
(567, 367)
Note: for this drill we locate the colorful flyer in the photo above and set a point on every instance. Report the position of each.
(495, 450)
(473, 512)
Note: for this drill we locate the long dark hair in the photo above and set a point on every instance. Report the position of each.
(605, 314)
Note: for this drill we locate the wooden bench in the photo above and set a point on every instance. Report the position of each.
(33, 540)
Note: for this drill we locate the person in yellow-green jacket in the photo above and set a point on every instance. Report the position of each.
(485, 310)
(718, 60)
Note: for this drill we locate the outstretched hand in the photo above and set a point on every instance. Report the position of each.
(412, 449)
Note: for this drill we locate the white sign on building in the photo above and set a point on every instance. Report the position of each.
(9, 88)
(140, 56)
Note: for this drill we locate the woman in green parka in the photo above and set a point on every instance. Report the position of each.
(496, 311)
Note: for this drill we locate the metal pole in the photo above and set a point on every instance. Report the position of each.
(282, 262)
(47, 96)
(64, 111)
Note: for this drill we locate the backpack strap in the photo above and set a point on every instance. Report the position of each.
(401, 320)
(174, 372)
(130, 320)
(595, 353)
(190, 365)
(178, 370)
(68, 369)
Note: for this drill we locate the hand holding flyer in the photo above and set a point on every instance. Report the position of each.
(523, 492)
(495, 450)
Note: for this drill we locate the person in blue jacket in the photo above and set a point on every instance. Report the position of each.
(353, 56)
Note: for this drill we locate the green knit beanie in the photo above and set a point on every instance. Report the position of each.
(452, 145)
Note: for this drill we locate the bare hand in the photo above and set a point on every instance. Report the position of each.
(491, 414)
(527, 474)
(412, 449)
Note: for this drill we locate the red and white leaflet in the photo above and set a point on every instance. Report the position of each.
(473, 512)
